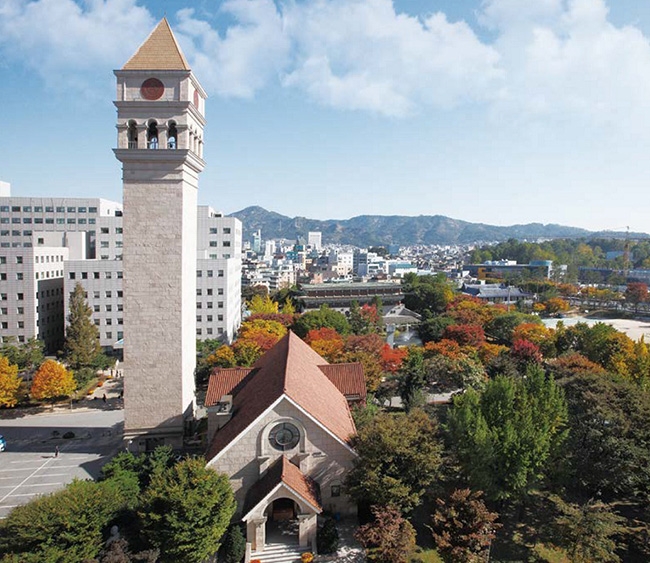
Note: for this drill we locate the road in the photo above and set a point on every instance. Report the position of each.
(29, 466)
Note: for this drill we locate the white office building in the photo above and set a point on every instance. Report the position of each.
(47, 245)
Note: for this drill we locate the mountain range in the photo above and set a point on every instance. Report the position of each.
(380, 230)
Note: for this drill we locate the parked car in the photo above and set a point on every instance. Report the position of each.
(3, 443)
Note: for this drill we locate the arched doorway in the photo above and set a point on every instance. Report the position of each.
(282, 521)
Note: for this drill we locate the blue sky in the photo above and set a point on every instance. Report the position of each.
(498, 111)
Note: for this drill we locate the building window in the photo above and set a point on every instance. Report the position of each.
(226, 231)
(15, 209)
(284, 436)
(210, 291)
(95, 294)
(19, 259)
(220, 273)
(20, 296)
(119, 275)
(226, 243)
(213, 230)
(19, 276)
(199, 274)
(213, 243)
(109, 335)
(60, 209)
(220, 291)
(92, 210)
(210, 272)
(336, 490)
(96, 275)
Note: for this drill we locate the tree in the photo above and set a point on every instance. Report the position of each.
(463, 527)
(365, 319)
(452, 373)
(412, 379)
(51, 381)
(588, 531)
(323, 318)
(233, 548)
(10, 383)
(82, 346)
(390, 538)
(504, 436)
(606, 453)
(465, 335)
(68, 525)
(223, 357)
(262, 304)
(264, 334)
(635, 293)
(185, 511)
(433, 327)
(399, 457)
(326, 342)
(502, 327)
(27, 356)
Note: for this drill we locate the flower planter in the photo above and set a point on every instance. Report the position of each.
(307, 557)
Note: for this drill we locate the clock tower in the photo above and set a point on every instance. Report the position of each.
(160, 120)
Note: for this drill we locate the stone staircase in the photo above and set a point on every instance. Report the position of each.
(279, 553)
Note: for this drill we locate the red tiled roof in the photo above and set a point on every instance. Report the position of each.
(283, 471)
(348, 379)
(290, 368)
(224, 381)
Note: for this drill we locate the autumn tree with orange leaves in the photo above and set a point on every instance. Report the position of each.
(326, 342)
(52, 380)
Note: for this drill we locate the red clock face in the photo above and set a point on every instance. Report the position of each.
(196, 99)
(152, 89)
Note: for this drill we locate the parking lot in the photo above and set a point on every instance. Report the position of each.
(30, 466)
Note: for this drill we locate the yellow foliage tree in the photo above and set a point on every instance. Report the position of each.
(9, 383)
(223, 357)
(262, 304)
(52, 380)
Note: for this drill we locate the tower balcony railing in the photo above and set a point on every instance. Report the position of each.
(171, 144)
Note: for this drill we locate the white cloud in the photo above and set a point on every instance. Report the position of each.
(565, 59)
(71, 45)
(252, 52)
(559, 59)
(361, 54)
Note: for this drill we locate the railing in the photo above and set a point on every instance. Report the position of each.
(133, 144)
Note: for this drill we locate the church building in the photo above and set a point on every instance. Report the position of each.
(281, 431)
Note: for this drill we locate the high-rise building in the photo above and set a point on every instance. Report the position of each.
(315, 240)
(160, 118)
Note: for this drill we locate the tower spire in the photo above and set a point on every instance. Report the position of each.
(160, 51)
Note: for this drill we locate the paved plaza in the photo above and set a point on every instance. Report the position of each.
(30, 466)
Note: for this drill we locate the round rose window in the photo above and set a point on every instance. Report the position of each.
(284, 436)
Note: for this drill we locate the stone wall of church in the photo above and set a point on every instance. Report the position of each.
(318, 454)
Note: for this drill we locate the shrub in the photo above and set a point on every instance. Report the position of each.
(233, 547)
(328, 537)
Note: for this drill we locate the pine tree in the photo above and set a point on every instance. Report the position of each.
(82, 336)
